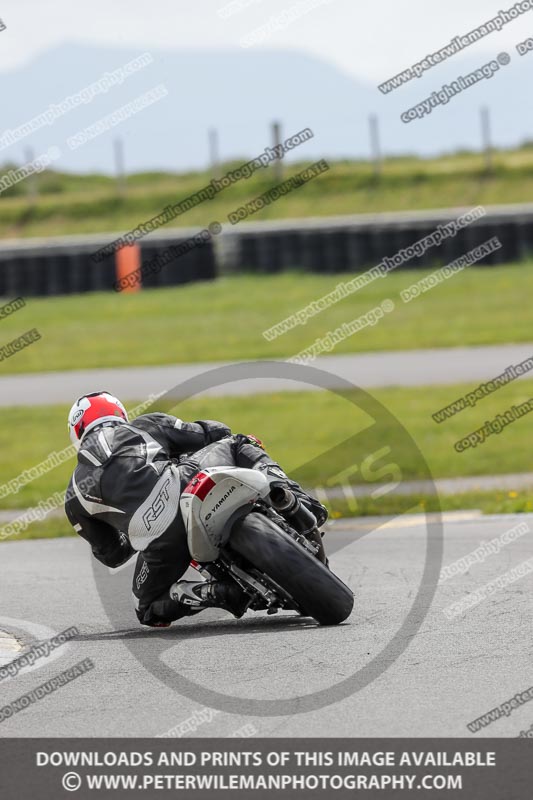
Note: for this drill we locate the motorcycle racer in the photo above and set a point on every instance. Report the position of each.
(123, 499)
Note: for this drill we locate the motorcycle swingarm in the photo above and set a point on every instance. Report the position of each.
(275, 598)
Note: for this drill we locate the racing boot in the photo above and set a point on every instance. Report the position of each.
(198, 595)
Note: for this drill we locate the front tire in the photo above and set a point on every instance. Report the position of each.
(316, 590)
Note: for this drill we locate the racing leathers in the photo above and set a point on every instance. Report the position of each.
(123, 498)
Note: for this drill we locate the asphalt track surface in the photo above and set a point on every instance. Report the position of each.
(432, 684)
(367, 370)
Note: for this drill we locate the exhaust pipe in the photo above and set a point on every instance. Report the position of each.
(287, 503)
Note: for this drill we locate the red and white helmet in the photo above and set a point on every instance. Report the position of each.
(92, 410)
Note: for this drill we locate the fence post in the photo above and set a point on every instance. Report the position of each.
(487, 139)
(375, 146)
(278, 162)
(32, 188)
(214, 158)
(118, 147)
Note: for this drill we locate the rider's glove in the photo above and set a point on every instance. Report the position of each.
(254, 440)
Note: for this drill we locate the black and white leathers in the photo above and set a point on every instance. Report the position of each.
(125, 490)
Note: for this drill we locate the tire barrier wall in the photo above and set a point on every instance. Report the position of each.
(358, 244)
(325, 245)
(44, 268)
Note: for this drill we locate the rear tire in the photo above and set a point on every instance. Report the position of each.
(316, 590)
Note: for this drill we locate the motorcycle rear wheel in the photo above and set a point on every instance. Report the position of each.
(315, 589)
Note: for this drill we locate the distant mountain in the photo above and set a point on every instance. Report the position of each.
(240, 92)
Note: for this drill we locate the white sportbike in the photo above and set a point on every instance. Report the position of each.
(236, 530)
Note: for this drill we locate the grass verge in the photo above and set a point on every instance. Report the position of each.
(393, 505)
(75, 204)
(520, 502)
(305, 432)
(224, 320)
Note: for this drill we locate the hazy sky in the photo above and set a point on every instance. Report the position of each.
(371, 39)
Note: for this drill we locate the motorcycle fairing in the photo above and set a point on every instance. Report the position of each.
(212, 501)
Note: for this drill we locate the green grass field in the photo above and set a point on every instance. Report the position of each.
(224, 319)
(29, 438)
(511, 502)
(71, 204)
(284, 421)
